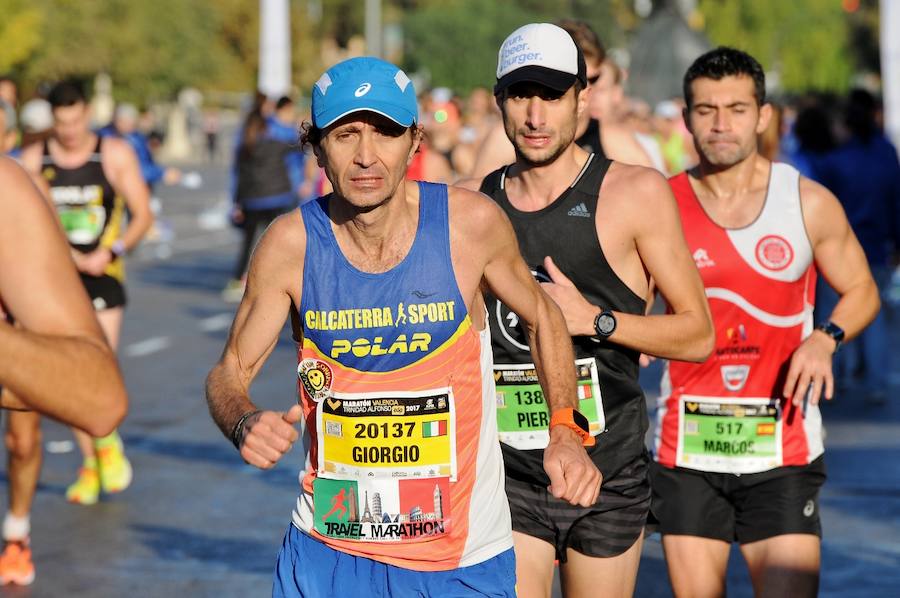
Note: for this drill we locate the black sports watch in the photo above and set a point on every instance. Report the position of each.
(834, 331)
(605, 324)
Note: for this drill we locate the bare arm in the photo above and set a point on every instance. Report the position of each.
(646, 204)
(841, 260)
(58, 361)
(125, 176)
(572, 474)
(260, 317)
(620, 144)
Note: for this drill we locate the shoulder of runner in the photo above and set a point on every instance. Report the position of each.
(476, 222)
(31, 157)
(472, 184)
(821, 210)
(116, 155)
(280, 254)
(631, 194)
(479, 233)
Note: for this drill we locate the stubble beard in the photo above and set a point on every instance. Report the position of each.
(724, 158)
(548, 155)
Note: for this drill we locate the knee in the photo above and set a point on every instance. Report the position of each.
(23, 444)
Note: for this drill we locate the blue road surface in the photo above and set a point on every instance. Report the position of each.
(199, 522)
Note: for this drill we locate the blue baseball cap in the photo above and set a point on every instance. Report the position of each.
(364, 84)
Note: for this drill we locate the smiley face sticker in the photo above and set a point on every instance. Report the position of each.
(316, 378)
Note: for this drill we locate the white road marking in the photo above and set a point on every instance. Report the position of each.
(147, 347)
(59, 447)
(217, 322)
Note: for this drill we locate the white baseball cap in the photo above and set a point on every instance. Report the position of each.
(541, 53)
(36, 115)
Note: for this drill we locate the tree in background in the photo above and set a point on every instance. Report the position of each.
(456, 41)
(20, 29)
(806, 42)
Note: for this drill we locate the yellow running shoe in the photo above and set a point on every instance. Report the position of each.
(86, 489)
(115, 469)
(16, 565)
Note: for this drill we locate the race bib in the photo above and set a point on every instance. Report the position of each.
(386, 461)
(729, 435)
(83, 225)
(522, 414)
(387, 435)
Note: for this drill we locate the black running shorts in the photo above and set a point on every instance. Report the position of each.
(106, 292)
(738, 508)
(607, 529)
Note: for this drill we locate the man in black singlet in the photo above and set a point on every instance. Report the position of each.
(91, 183)
(594, 232)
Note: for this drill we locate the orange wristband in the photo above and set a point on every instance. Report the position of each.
(575, 421)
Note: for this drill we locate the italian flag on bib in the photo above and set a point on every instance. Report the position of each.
(434, 428)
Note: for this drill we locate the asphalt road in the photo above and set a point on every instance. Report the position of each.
(197, 521)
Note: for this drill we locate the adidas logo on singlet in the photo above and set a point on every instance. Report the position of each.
(580, 210)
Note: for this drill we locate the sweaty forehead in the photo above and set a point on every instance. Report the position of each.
(727, 90)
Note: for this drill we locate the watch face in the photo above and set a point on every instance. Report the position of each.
(606, 323)
(581, 421)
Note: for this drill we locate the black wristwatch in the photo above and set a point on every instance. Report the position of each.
(605, 324)
(834, 331)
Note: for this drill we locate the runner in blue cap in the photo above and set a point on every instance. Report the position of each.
(403, 491)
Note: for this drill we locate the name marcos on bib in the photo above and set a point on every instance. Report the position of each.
(729, 435)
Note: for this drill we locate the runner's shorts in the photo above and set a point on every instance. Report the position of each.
(607, 529)
(307, 568)
(738, 508)
(106, 292)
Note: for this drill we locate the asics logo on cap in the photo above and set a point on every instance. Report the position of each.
(362, 90)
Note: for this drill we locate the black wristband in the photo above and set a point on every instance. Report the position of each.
(237, 431)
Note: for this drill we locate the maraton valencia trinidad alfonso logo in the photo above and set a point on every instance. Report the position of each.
(774, 252)
(316, 378)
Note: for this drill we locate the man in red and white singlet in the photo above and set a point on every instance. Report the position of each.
(739, 437)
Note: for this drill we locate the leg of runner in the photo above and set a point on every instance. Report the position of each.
(612, 577)
(534, 566)
(23, 445)
(697, 566)
(105, 465)
(786, 565)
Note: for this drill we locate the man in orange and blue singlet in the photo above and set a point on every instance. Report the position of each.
(383, 281)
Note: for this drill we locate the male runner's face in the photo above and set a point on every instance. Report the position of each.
(71, 124)
(365, 156)
(725, 119)
(540, 121)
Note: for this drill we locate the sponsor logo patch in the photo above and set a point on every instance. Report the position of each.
(734, 377)
(774, 252)
(316, 377)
